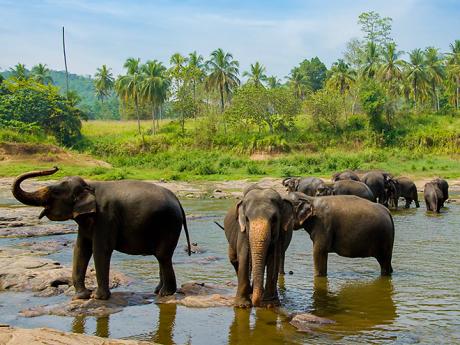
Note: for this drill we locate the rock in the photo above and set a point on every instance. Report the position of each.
(91, 307)
(195, 249)
(46, 247)
(305, 322)
(19, 336)
(21, 271)
(201, 295)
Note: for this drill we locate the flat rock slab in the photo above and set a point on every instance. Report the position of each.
(21, 336)
(307, 322)
(201, 295)
(92, 307)
(46, 247)
(20, 270)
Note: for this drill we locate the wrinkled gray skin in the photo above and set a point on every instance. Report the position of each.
(347, 225)
(433, 197)
(307, 185)
(378, 182)
(405, 188)
(444, 187)
(131, 217)
(347, 187)
(258, 229)
(345, 175)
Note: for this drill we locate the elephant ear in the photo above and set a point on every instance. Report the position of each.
(85, 203)
(287, 215)
(240, 216)
(303, 211)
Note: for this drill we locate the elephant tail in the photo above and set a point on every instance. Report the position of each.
(189, 250)
(220, 226)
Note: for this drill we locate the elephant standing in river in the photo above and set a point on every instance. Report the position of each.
(307, 185)
(347, 187)
(345, 175)
(379, 183)
(132, 217)
(433, 196)
(405, 188)
(444, 187)
(258, 229)
(347, 225)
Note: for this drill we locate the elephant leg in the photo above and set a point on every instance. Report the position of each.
(320, 260)
(408, 202)
(385, 265)
(102, 255)
(81, 255)
(281, 263)
(244, 287)
(168, 277)
(415, 198)
(270, 296)
(160, 284)
(233, 258)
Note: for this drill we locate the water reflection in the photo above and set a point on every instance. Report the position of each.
(356, 306)
(102, 326)
(165, 325)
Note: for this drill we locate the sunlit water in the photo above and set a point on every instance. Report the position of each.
(420, 303)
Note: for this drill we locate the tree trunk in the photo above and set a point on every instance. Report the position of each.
(137, 114)
(153, 119)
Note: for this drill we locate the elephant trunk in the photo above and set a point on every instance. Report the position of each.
(37, 198)
(259, 240)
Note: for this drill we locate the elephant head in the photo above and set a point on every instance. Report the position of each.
(67, 199)
(303, 208)
(291, 183)
(263, 215)
(391, 190)
(324, 189)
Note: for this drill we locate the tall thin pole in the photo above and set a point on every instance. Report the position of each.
(65, 63)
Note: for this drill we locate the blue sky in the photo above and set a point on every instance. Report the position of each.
(279, 34)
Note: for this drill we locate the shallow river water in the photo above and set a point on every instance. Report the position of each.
(420, 303)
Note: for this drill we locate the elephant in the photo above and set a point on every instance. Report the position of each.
(347, 187)
(132, 217)
(347, 225)
(307, 185)
(405, 188)
(258, 230)
(379, 183)
(444, 187)
(433, 197)
(345, 175)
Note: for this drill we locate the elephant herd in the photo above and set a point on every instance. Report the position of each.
(348, 217)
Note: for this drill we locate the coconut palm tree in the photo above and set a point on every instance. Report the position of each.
(41, 74)
(435, 73)
(417, 74)
(273, 82)
(223, 74)
(103, 82)
(371, 60)
(390, 72)
(256, 75)
(154, 86)
(195, 70)
(128, 85)
(341, 76)
(19, 72)
(176, 71)
(453, 69)
(299, 83)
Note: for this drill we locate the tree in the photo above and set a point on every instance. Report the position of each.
(435, 73)
(417, 74)
(223, 74)
(273, 82)
(128, 86)
(453, 69)
(314, 73)
(299, 84)
(41, 74)
(373, 101)
(155, 85)
(371, 60)
(376, 29)
(19, 72)
(324, 107)
(256, 75)
(390, 73)
(103, 82)
(341, 76)
(195, 70)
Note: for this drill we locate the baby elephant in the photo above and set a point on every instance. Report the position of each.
(434, 198)
(347, 225)
(131, 217)
(258, 229)
(405, 189)
(347, 187)
(306, 185)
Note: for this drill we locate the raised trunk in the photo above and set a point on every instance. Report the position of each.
(37, 198)
(259, 240)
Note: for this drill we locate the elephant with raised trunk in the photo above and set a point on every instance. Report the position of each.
(345, 175)
(131, 217)
(258, 229)
(347, 225)
(306, 185)
(347, 187)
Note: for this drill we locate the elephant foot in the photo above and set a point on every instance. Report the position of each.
(82, 294)
(158, 288)
(242, 302)
(165, 291)
(101, 294)
(271, 303)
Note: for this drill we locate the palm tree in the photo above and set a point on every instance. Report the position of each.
(299, 83)
(416, 73)
(128, 85)
(391, 70)
(154, 86)
(19, 72)
(103, 82)
(341, 76)
(177, 62)
(453, 69)
(41, 74)
(256, 75)
(273, 82)
(371, 60)
(195, 69)
(435, 72)
(223, 74)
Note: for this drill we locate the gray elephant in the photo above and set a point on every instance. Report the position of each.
(258, 229)
(405, 188)
(433, 197)
(307, 185)
(444, 187)
(131, 217)
(347, 225)
(378, 182)
(345, 175)
(347, 187)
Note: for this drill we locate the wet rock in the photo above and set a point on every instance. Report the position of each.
(19, 336)
(46, 247)
(92, 307)
(201, 295)
(307, 322)
(22, 271)
(195, 248)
